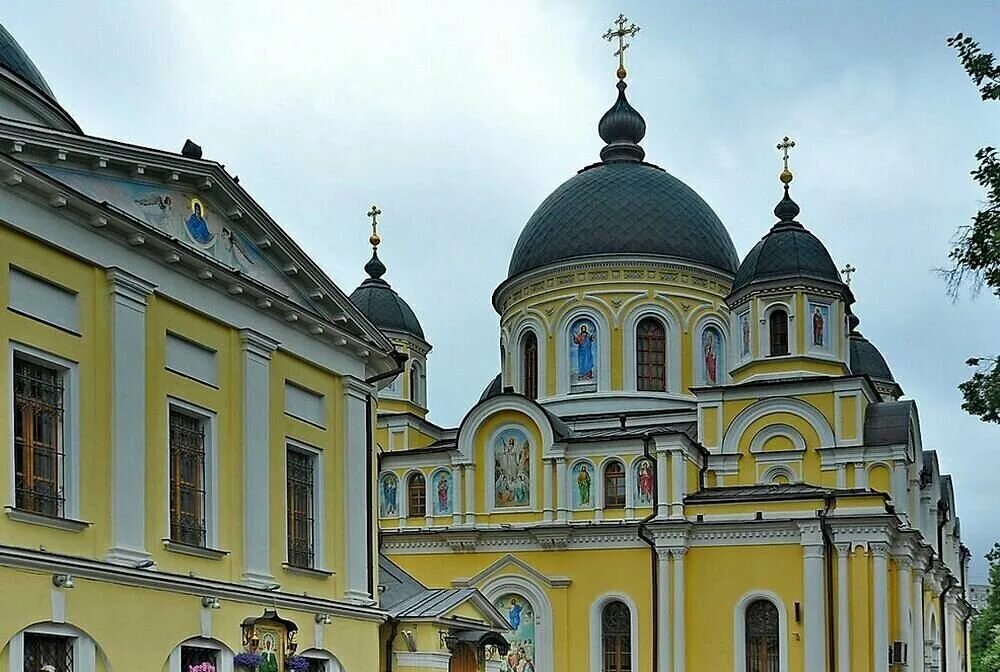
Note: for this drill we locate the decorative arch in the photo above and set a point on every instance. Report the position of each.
(469, 428)
(418, 384)
(602, 365)
(765, 332)
(721, 352)
(224, 652)
(531, 323)
(808, 412)
(388, 495)
(614, 484)
(761, 438)
(739, 629)
(539, 601)
(776, 471)
(441, 493)
(596, 630)
(412, 482)
(583, 480)
(86, 651)
(332, 664)
(674, 362)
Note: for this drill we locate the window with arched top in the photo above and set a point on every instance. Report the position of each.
(614, 485)
(762, 640)
(616, 638)
(416, 495)
(529, 365)
(778, 332)
(416, 384)
(651, 355)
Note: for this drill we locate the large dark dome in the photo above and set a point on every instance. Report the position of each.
(14, 60)
(623, 207)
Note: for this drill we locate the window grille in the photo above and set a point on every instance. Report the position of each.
(300, 484)
(41, 650)
(187, 479)
(530, 365)
(416, 495)
(762, 637)
(778, 331)
(316, 665)
(651, 355)
(614, 486)
(196, 655)
(39, 460)
(616, 638)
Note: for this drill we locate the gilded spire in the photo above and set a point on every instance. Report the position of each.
(620, 35)
(375, 268)
(787, 210)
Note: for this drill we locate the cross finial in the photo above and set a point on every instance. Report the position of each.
(785, 144)
(373, 215)
(621, 34)
(847, 271)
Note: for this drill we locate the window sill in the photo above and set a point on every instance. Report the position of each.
(25, 516)
(308, 571)
(197, 551)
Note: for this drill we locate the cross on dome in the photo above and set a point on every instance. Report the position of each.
(373, 214)
(786, 144)
(621, 34)
(847, 271)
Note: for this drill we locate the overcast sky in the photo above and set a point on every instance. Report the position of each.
(459, 118)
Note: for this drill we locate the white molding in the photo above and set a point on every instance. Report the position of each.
(673, 361)
(424, 660)
(771, 431)
(764, 407)
(739, 629)
(541, 605)
(528, 323)
(84, 647)
(489, 482)
(469, 428)
(768, 306)
(597, 631)
(209, 420)
(225, 653)
(507, 563)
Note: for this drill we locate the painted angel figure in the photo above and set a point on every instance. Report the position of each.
(162, 203)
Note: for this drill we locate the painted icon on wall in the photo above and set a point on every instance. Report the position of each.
(512, 469)
(713, 356)
(644, 475)
(196, 226)
(583, 353)
(521, 617)
(388, 496)
(582, 481)
(819, 325)
(744, 327)
(441, 482)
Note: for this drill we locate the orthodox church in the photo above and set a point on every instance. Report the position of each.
(688, 460)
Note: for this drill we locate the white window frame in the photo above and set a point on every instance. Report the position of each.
(210, 424)
(225, 655)
(541, 336)
(597, 629)
(672, 362)
(84, 649)
(318, 512)
(765, 332)
(739, 629)
(603, 381)
(723, 373)
(69, 371)
(418, 392)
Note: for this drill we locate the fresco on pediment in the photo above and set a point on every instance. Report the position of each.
(188, 217)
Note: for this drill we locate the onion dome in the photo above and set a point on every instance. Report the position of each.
(623, 206)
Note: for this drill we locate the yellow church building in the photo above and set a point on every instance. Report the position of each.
(220, 461)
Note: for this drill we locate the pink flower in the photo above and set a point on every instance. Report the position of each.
(202, 667)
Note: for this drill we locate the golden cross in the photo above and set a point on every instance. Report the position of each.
(847, 271)
(621, 34)
(786, 144)
(373, 214)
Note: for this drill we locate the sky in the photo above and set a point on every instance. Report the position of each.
(459, 118)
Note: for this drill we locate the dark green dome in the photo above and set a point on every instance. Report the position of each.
(382, 305)
(15, 61)
(623, 207)
(867, 360)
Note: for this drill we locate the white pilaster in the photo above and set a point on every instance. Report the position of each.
(678, 473)
(880, 607)
(663, 610)
(547, 510)
(917, 604)
(662, 487)
(457, 480)
(356, 478)
(257, 349)
(814, 625)
(128, 422)
(562, 508)
(951, 626)
(470, 493)
(679, 634)
(860, 476)
(900, 497)
(843, 608)
(904, 589)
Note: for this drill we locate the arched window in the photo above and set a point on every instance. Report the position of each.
(616, 638)
(651, 355)
(416, 495)
(761, 625)
(778, 332)
(614, 485)
(529, 365)
(416, 384)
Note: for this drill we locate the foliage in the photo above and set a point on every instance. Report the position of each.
(985, 636)
(976, 251)
(249, 661)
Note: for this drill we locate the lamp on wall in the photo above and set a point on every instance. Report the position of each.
(324, 619)
(62, 581)
(211, 602)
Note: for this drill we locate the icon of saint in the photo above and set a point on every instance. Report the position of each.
(196, 225)
(583, 484)
(584, 341)
(818, 324)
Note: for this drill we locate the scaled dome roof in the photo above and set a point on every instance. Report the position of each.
(14, 60)
(382, 305)
(867, 360)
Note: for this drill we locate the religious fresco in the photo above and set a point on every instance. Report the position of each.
(186, 216)
(521, 617)
(713, 365)
(583, 349)
(645, 473)
(582, 482)
(442, 487)
(743, 325)
(388, 499)
(819, 325)
(512, 469)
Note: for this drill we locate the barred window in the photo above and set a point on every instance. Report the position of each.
(529, 365)
(616, 638)
(416, 495)
(39, 443)
(614, 485)
(187, 478)
(651, 355)
(778, 332)
(196, 655)
(761, 636)
(53, 650)
(316, 665)
(300, 486)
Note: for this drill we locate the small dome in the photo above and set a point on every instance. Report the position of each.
(382, 305)
(15, 61)
(494, 389)
(867, 360)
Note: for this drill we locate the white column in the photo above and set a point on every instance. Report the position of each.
(678, 555)
(951, 629)
(457, 473)
(904, 569)
(257, 349)
(470, 493)
(843, 608)
(842, 476)
(663, 610)
(547, 509)
(662, 487)
(880, 607)
(900, 497)
(917, 604)
(356, 477)
(562, 509)
(860, 476)
(128, 422)
(677, 488)
(814, 602)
